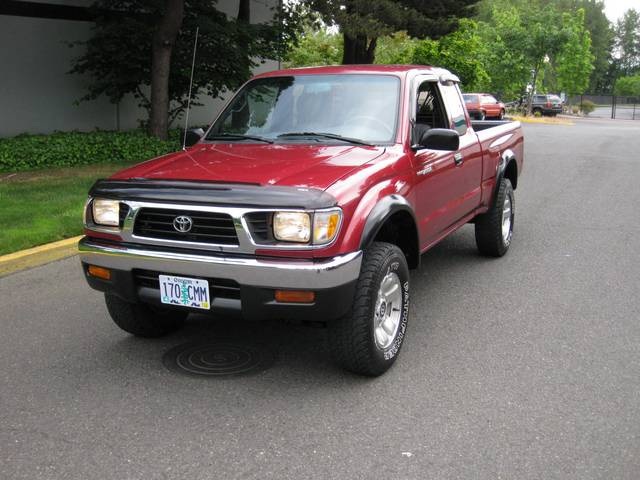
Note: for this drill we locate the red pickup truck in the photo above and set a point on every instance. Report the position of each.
(310, 197)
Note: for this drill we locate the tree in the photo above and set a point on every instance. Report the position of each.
(628, 42)
(601, 33)
(574, 61)
(461, 52)
(527, 40)
(502, 31)
(628, 86)
(396, 49)
(363, 22)
(162, 42)
(315, 47)
(546, 38)
(323, 47)
(144, 48)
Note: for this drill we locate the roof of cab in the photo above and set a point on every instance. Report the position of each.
(399, 70)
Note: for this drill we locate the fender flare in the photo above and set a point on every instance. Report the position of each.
(506, 157)
(380, 213)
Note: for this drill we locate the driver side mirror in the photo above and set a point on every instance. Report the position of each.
(193, 136)
(440, 139)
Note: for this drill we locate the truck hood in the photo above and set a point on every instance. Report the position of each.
(296, 165)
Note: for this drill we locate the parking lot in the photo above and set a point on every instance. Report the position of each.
(524, 367)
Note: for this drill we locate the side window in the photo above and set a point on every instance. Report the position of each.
(429, 110)
(455, 107)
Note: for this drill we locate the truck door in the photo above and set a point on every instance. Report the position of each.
(444, 190)
(468, 159)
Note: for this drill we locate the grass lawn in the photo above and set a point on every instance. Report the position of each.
(44, 206)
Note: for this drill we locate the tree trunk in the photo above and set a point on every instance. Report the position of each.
(164, 38)
(244, 11)
(533, 90)
(358, 50)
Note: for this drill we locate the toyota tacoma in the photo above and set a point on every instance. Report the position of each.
(310, 197)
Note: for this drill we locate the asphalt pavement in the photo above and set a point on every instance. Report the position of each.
(621, 112)
(524, 367)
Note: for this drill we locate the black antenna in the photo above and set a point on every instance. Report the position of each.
(193, 66)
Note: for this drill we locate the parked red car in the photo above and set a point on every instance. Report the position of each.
(483, 105)
(309, 198)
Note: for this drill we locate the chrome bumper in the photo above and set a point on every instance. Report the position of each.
(285, 273)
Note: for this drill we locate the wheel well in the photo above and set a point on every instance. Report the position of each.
(400, 230)
(511, 173)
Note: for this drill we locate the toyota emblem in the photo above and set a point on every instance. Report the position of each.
(182, 224)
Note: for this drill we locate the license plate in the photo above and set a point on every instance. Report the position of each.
(184, 292)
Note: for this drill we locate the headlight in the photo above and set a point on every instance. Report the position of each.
(296, 226)
(292, 226)
(325, 226)
(106, 212)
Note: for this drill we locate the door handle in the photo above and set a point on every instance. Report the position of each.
(458, 158)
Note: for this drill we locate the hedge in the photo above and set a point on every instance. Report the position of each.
(68, 149)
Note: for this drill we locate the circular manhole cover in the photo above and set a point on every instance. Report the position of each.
(217, 359)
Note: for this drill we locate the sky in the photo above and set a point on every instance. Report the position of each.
(614, 9)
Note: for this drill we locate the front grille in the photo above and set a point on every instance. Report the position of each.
(208, 227)
(218, 287)
(260, 226)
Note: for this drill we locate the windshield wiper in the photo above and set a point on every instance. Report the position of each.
(333, 136)
(237, 136)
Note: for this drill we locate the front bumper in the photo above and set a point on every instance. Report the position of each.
(332, 279)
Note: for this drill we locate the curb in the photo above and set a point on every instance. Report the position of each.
(543, 120)
(36, 256)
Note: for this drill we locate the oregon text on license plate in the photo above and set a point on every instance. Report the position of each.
(184, 292)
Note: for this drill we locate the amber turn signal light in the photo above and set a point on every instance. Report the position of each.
(295, 296)
(99, 272)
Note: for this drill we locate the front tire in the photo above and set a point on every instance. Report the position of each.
(141, 320)
(494, 228)
(368, 338)
(482, 115)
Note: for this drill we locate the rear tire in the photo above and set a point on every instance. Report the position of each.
(142, 320)
(368, 338)
(494, 228)
(501, 117)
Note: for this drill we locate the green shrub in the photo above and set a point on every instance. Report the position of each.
(575, 109)
(511, 111)
(588, 106)
(68, 149)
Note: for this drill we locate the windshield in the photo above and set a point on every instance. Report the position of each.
(470, 98)
(362, 107)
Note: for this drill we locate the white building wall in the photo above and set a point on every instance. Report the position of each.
(37, 95)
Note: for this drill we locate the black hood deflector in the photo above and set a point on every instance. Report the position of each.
(212, 193)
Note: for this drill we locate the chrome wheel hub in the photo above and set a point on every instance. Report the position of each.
(506, 219)
(387, 311)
